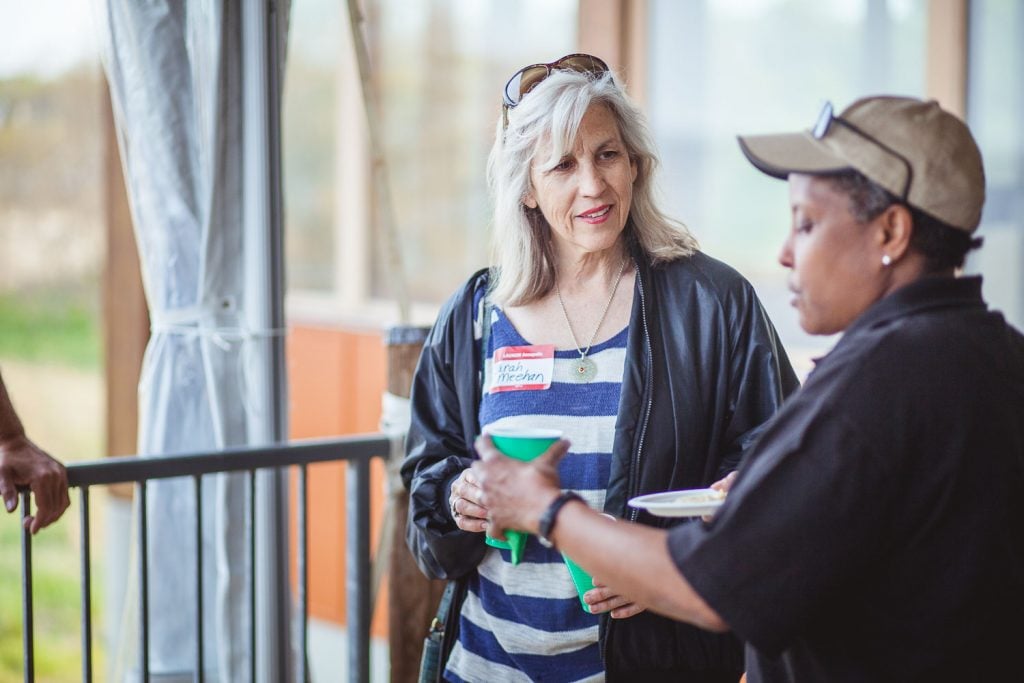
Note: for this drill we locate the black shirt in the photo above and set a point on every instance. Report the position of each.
(876, 532)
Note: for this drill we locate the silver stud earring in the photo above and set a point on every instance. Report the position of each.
(886, 261)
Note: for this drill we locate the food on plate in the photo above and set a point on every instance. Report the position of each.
(708, 496)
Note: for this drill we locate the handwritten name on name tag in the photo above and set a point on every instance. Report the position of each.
(522, 368)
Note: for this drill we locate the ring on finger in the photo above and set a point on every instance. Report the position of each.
(455, 513)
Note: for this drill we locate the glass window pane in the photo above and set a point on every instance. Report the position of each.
(442, 68)
(995, 100)
(438, 69)
(722, 67)
(308, 124)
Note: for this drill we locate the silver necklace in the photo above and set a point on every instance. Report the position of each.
(585, 369)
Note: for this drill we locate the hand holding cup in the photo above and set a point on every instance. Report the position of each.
(601, 599)
(516, 493)
(464, 503)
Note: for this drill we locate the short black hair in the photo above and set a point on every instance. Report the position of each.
(942, 245)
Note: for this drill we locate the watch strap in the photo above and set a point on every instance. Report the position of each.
(550, 516)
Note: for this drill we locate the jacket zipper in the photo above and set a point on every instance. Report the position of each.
(635, 468)
(634, 477)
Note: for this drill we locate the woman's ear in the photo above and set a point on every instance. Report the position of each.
(529, 201)
(896, 226)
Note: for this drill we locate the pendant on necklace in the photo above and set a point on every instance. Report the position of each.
(584, 370)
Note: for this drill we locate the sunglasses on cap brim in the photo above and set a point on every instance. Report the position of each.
(827, 118)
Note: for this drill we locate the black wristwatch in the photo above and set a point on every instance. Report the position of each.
(547, 520)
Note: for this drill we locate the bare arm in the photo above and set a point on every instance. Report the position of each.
(631, 559)
(22, 463)
(10, 425)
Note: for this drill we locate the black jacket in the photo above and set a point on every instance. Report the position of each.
(704, 371)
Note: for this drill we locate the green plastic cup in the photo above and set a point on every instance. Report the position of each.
(580, 578)
(521, 444)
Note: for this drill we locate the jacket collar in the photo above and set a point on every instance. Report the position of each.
(927, 293)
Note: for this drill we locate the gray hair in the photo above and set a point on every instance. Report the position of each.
(521, 254)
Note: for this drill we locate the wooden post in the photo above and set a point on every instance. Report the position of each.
(125, 314)
(946, 63)
(616, 31)
(413, 598)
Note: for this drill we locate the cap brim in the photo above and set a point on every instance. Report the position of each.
(785, 153)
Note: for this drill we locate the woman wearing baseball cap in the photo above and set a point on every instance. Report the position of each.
(874, 534)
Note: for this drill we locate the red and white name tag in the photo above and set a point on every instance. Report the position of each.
(522, 368)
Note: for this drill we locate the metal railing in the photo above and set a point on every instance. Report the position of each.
(357, 451)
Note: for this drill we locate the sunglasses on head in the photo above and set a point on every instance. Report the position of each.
(824, 123)
(527, 78)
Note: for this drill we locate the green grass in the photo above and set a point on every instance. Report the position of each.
(53, 325)
(56, 602)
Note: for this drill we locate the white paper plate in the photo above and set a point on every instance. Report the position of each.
(687, 503)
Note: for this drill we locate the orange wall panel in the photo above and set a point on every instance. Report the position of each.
(335, 382)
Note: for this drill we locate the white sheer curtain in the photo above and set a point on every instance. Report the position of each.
(175, 69)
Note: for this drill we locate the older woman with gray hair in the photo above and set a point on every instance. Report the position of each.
(601, 319)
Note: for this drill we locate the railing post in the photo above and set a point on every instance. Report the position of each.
(197, 484)
(140, 493)
(357, 572)
(86, 551)
(302, 543)
(28, 654)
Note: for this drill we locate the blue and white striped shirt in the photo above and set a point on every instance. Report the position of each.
(524, 622)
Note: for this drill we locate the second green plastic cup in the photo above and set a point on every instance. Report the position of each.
(580, 578)
(525, 445)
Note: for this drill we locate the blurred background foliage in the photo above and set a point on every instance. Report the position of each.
(51, 259)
